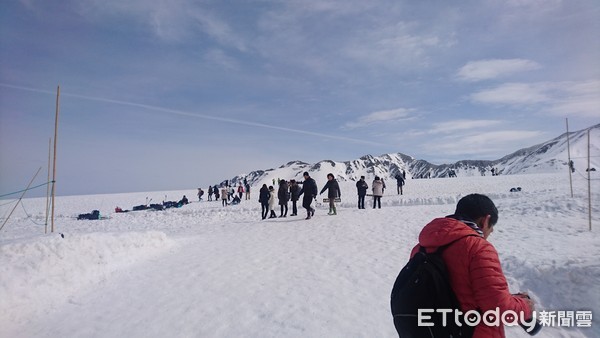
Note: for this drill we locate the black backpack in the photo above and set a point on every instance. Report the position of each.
(424, 284)
(92, 216)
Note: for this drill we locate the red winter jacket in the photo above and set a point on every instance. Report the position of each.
(474, 270)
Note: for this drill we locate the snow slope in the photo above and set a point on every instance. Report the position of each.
(209, 271)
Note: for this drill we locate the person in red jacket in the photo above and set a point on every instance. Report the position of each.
(472, 261)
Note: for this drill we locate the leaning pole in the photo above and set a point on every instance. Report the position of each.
(48, 185)
(589, 179)
(54, 161)
(569, 158)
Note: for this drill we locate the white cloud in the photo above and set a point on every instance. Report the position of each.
(392, 115)
(169, 20)
(458, 125)
(219, 30)
(397, 47)
(533, 5)
(488, 142)
(500, 136)
(491, 69)
(512, 93)
(331, 7)
(567, 98)
(580, 99)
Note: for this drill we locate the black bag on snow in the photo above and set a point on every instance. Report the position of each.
(92, 216)
(170, 204)
(156, 206)
(423, 284)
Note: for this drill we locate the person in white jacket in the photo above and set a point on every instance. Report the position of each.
(224, 196)
(377, 192)
(272, 202)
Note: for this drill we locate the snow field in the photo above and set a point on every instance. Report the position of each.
(209, 271)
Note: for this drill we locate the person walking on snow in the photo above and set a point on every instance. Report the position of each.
(263, 198)
(310, 191)
(294, 195)
(272, 202)
(333, 192)
(240, 191)
(361, 187)
(283, 195)
(377, 192)
(230, 193)
(210, 193)
(216, 192)
(224, 196)
(399, 182)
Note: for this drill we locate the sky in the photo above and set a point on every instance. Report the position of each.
(162, 95)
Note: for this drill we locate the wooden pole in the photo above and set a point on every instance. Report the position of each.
(589, 171)
(569, 156)
(54, 161)
(48, 185)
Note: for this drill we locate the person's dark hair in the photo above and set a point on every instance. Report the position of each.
(475, 206)
(305, 173)
(330, 174)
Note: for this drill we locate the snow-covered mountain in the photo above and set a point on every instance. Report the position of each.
(547, 157)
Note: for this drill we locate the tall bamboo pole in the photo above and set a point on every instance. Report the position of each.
(569, 156)
(589, 171)
(54, 161)
(48, 185)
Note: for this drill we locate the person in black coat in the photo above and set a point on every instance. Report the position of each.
(399, 182)
(184, 200)
(361, 187)
(216, 192)
(294, 195)
(283, 195)
(263, 198)
(310, 191)
(333, 192)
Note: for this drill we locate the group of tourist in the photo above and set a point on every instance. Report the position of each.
(291, 191)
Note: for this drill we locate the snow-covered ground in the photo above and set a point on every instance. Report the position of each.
(204, 270)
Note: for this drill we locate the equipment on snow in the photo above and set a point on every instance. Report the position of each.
(91, 216)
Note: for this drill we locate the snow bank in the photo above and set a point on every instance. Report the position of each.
(38, 274)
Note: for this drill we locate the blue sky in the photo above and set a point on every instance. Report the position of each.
(160, 95)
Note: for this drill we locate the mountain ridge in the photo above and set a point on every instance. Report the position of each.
(549, 156)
